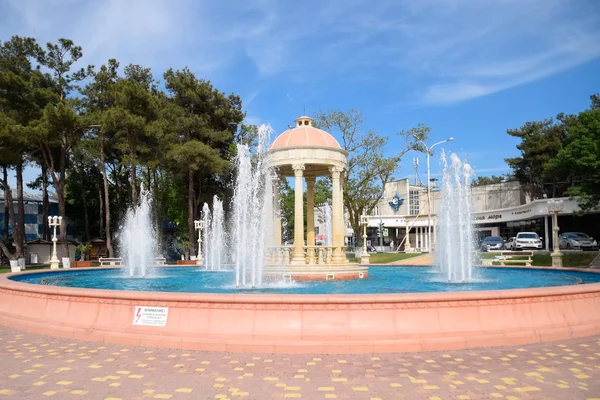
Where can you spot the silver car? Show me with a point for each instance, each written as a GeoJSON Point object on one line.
{"type": "Point", "coordinates": [577, 241]}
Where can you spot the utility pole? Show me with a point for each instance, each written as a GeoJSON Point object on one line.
{"type": "Point", "coordinates": [429, 152]}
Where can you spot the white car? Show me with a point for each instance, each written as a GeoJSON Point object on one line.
{"type": "Point", "coordinates": [510, 244]}
{"type": "Point", "coordinates": [527, 240]}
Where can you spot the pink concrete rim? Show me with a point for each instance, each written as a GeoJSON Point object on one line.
{"type": "Point", "coordinates": [420, 297]}
{"type": "Point", "coordinates": [306, 323]}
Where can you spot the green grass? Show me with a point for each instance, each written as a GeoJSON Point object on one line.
{"type": "Point", "coordinates": [384, 258]}
{"type": "Point", "coordinates": [570, 260]}
{"type": "Point", "coordinates": [6, 270]}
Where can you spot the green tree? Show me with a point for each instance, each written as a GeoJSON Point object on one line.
{"type": "Point", "coordinates": [540, 142]}
{"type": "Point", "coordinates": [60, 128]}
{"type": "Point", "coordinates": [202, 122]}
{"type": "Point", "coordinates": [579, 159]}
{"type": "Point", "coordinates": [135, 107]}
{"type": "Point", "coordinates": [97, 101]}
{"type": "Point", "coordinates": [368, 169]}
{"type": "Point", "coordinates": [489, 180]}
{"type": "Point", "coordinates": [21, 104]}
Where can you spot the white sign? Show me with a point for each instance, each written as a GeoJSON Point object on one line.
{"type": "Point", "coordinates": [150, 316]}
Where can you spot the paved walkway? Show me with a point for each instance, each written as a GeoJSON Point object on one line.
{"type": "Point", "coordinates": [40, 367]}
{"type": "Point", "coordinates": [425, 259]}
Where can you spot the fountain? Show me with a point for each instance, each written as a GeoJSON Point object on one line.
{"type": "Point", "coordinates": [138, 238]}
{"type": "Point", "coordinates": [214, 235]}
{"type": "Point", "coordinates": [455, 238]}
{"type": "Point", "coordinates": [375, 309]}
{"type": "Point", "coordinates": [252, 211]}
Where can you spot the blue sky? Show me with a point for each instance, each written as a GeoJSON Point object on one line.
{"type": "Point", "coordinates": [468, 69]}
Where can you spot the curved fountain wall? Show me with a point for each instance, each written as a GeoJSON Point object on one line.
{"type": "Point", "coordinates": [307, 323]}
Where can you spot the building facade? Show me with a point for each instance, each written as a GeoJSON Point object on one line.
{"type": "Point", "coordinates": [502, 209]}
{"type": "Point", "coordinates": [34, 224]}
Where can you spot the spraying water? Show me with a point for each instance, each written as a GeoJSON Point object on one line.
{"type": "Point", "coordinates": [455, 237]}
{"type": "Point", "coordinates": [138, 238]}
{"type": "Point", "coordinates": [327, 224]}
{"type": "Point", "coordinates": [253, 211]}
{"type": "Point", "coordinates": [206, 220]}
{"type": "Point", "coordinates": [214, 236]}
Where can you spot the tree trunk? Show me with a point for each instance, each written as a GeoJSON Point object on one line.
{"type": "Point", "coordinates": [102, 166]}
{"type": "Point", "coordinates": [11, 213]}
{"type": "Point", "coordinates": [20, 232]}
{"type": "Point", "coordinates": [62, 211]}
{"type": "Point", "coordinates": [6, 203]}
{"type": "Point", "coordinates": [133, 180]}
{"type": "Point", "coordinates": [45, 203]}
{"type": "Point", "coordinates": [159, 229]}
{"type": "Point", "coordinates": [191, 204]}
{"type": "Point", "coordinates": [101, 209]}
{"type": "Point", "coordinates": [86, 218]}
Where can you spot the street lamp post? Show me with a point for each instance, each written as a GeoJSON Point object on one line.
{"type": "Point", "coordinates": [554, 207]}
{"type": "Point", "coordinates": [429, 152]}
{"type": "Point", "coordinates": [199, 226]}
{"type": "Point", "coordinates": [54, 221]}
{"type": "Point", "coordinates": [364, 257]}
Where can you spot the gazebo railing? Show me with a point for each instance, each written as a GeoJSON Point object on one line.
{"type": "Point", "coordinates": [282, 255]}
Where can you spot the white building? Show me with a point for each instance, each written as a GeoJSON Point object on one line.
{"type": "Point", "coordinates": [501, 209]}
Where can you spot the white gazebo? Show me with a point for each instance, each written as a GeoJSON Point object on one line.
{"type": "Point", "coordinates": [305, 153]}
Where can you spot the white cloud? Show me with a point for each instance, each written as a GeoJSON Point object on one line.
{"type": "Point", "coordinates": [448, 51]}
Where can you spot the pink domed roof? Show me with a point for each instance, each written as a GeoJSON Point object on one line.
{"type": "Point", "coordinates": [304, 134]}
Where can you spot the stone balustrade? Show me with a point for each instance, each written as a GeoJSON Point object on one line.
{"type": "Point", "coordinates": [313, 255]}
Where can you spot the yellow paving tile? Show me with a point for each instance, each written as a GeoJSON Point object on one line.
{"type": "Point", "coordinates": [49, 393]}
{"type": "Point", "coordinates": [79, 391]}
{"type": "Point", "coordinates": [527, 389]}
{"type": "Point", "coordinates": [163, 396]}
{"type": "Point", "coordinates": [330, 396]}
{"type": "Point", "coordinates": [292, 395]}
{"type": "Point", "coordinates": [7, 392]}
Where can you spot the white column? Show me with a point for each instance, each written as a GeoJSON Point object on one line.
{"type": "Point", "coordinates": [310, 210]}
{"type": "Point", "coordinates": [416, 237]}
{"type": "Point", "coordinates": [427, 239]}
{"type": "Point", "coordinates": [434, 239]}
{"type": "Point", "coordinates": [546, 234]}
{"type": "Point", "coordinates": [335, 213]}
{"type": "Point", "coordinates": [407, 240]}
{"type": "Point", "coordinates": [298, 257]}
{"type": "Point", "coordinates": [342, 219]}
{"type": "Point", "coordinates": [277, 211]}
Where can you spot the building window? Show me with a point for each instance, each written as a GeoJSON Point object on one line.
{"type": "Point", "coordinates": [414, 202]}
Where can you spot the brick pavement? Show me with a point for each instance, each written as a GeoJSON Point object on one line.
{"type": "Point", "coordinates": [41, 367]}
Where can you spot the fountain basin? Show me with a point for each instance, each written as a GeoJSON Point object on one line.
{"type": "Point", "coordinates": [300, 323]}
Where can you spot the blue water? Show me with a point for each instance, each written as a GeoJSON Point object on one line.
{"type": "Point", "coordinates": [380, 280]}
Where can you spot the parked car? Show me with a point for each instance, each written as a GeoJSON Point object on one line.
{"type": "Point", "coordinates": [528, 240]}
{"type": "Point", "coordinates": [510, 244]}
{"type": "Point", "coordinates": [576, 241]}
{"type": "Point", "coordinates": [492, 243]}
